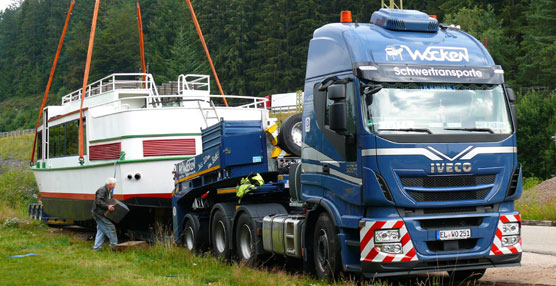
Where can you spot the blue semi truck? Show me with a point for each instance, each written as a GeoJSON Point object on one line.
{"type": "Point", "coordinates": [406, 161]}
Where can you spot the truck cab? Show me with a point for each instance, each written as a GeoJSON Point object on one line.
{"type": "Point", "coordinates": [407, 161]}
{"type": "Point", "coordinates": [409, 146]}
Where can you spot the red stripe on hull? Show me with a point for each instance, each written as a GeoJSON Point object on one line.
{"type": "Point", "coordinates": [92, 196]}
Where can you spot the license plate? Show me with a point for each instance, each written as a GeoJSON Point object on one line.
{"type": "Point", "coordinates": [453, 234]}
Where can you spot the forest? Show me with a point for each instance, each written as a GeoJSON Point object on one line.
{"type": "Point", "coordinates": [259, 47]}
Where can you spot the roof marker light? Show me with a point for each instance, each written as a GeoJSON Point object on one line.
{"type": "Point", "coordinates": [345, 17]}
{"type": "Point", "coordinates": [368, 68]}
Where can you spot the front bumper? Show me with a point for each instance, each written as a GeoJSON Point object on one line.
{"type": "Point", "coordinates": [380, 269]}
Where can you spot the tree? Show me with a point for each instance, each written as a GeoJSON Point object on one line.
{"type": "Point", "coordinates": [483, 24]}
{"type": "Point", "coordinates": [538, 65]}
{"type": "Point", "coordinates": [536, 148]}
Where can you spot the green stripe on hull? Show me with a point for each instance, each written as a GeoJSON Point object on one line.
{"type": "Point", "coordinates": [112, 163]}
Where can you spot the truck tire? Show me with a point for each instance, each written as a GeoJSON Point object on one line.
{"type": "Point", "coordinates": [467, 275]}
{"type": "Point", "coordinates": [326, 249]}
{"type": "Point", "coordinates": [220, 236]}
{"type": "Point", "coordinates": [246, 240]}
{"type": "Point", "coordinates": [295, 182]}
{"type": "Point", "coordinates": [290, 135]}
{"type": "Point", "coordinates": [192, 238]}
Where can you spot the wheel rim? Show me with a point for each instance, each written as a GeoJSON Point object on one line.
{"type": "Point", "coordinates": [245, 241]}
{"type": "Point", "coordinates": [220, 236]}
{"type": "Point", "coordinates": [322, 250]}
{"type": "Point", "coordinates": [189, 238]}
{"type": "Point", "coordinates": [297, 134]}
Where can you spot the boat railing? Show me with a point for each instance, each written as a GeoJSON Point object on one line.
{"type": "Point", "coordinates": [140, 81]}
{"type": "Point", "coordinates": [193, 82]}
{"type": "Point", "coordinates": [173, 101]}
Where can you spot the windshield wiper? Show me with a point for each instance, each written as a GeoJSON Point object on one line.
{"type": "Point", "coordinates": [409, 130]}
{"type": "Point", "coordinates": [473, 129]}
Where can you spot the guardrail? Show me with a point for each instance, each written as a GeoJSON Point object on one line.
{"type": "Point", "coordinates": [16, 133]}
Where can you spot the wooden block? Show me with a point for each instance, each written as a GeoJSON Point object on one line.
{"type": "Point", "coordinates": [124, 246]}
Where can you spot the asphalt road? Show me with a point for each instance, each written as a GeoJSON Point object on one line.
{"type": "Point", "coordinates": [538, 264]}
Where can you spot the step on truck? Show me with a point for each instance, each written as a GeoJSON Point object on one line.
{"type": "Point", "coordinates": [408, 161]}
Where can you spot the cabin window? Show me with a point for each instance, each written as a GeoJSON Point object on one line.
{"type": "Point", "coordinates": [38, 151]}
{"type": "Point", "coordinates": [64, 139]}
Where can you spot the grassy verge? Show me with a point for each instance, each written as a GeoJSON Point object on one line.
{"type": "Point", "coordinates": [65, 258]}
{"type": "Point", "coordinates": [528, 205]}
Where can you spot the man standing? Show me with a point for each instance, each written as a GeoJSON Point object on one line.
{"type": "Point", "coordinates": [104, 226]}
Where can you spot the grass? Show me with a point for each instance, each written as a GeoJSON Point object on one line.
{"type": "Point", "coordinates": [17, 147]}
{"type": "Point", "coordinates": [528, 205]}
{"type": "Point", "coordinates": [65, 258]}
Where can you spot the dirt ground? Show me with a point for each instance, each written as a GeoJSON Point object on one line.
{"type": "Point", "coordinates": [542, 193]}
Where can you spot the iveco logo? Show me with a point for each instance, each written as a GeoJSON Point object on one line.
{"type": "Point", "coordinates": [431, 54]}
{"type": "Point", "coordinates": [437, 168]}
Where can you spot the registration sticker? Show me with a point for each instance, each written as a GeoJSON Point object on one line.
{"type": "Point", "coordinates": [453, 234]}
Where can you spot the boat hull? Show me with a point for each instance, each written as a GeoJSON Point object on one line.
{"type": "Point", "coordinates": [69, 193]}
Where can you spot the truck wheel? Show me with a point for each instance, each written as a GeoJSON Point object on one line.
{"type": "Point", "coordinates": [39, 213]}
{"type": "Point", "coordinates": [326, 249]}
{"type": "Point", "coordinates": [291, 133]}
{"type": "Point", "coordinates": [246, 240]}
{"type": "Point", "coordinates": [30, 210]}
{"type": "Point", "coordinates": [220, 236]}
{"type": "Point", "coordinates": [467, 275]}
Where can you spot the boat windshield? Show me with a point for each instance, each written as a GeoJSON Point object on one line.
{"type": "Point", "coordinates": [438, 109]}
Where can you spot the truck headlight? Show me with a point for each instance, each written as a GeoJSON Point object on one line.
{"type": "Point", "coordinates": [509, 240]}
{"type": "Point", "coordinates": [387, 235]}
{"type": "Point", "coordinates": [510, 228]}
{"type": "Point", "coordinates": [394, 248]}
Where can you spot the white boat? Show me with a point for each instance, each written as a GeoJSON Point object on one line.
{"type": "Point", "coordinates": [133, 133]}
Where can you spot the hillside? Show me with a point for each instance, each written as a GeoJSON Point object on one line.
{"type": "Point", "coordinates": [258, 47]}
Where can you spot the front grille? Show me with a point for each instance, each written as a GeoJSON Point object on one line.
{"type": "Point", "coordinates": [409, 212]}
{"type": "Point", "coordinates": [466, 222]}
{"type": "Point", "coordinates": [447, 181]}
{"type": "Point", "coordinates": [449, 196]}
{"type": "Point", "coordinates": [452, 245]}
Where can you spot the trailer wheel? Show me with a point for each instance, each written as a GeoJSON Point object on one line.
{"type": "Point", "coordinates": [220, 236]}
{"type": "Point", "coordinates": [326, 249]}
{"type": "Point", "coordinates": [39, 212]}
{"type": "Point", "coordinates": [291, 133]}
{"type": "Point", "coordinates": [246, 240]}
{"type": "Point", "coordinates": [30, 211]}
{"type": "Point", "coordinates": [467, 275]}
{"type": "Point", "coordinates": [192, 238]}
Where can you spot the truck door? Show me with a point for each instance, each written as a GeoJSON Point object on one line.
{"type": "Point", "coordinates": [336, 158]}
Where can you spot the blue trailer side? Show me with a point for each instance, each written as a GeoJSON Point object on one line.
{"type": "Point", "coordinates": [408, 162]}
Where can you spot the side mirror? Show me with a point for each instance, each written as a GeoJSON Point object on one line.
{"type": "Point", "coordinates": [336, 92]}
{"type": "Point", "coordinates": [511, 94]}
{"type": "Point", "coordinates": [337, 110]}
{"type": "Point", "coordinates": [338, 120]}
{"type": "Point", "coordinates": [513, 111]}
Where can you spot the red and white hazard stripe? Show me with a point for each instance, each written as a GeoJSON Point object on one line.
{"type": "Point", "coordinates": [370, 253]}
{"type": "Point", "coordinates": [497, 248]}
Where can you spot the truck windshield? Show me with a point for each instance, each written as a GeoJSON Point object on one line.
{"type": "Point", "coordinates": [438, 109]}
